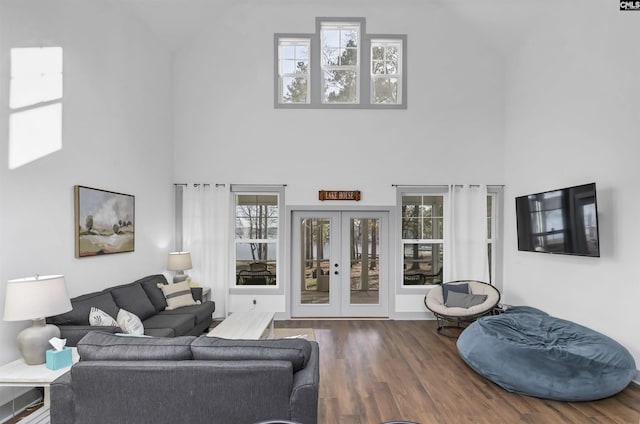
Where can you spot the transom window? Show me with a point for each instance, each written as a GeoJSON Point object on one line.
{"type": "Point", "coordinates": [340, 66]}
{"type": "Point", "coordinates": [386, 71]}
{"type": "Point", "coordinates": [293, 68]}
{"type": "Point", "coordinates": [340, 55]}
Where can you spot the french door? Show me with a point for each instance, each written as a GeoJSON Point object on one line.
{"type": "Point", "coordinates": [339, 265]}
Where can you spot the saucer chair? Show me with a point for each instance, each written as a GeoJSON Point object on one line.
{"type": "Point", "coordinates": [470, 300]}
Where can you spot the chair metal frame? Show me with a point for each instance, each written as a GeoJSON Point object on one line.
{"type": "Point", "coordinates": [460, 322]}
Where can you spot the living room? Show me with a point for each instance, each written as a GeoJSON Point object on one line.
{"type": "Point", "coordinates": [530, 96]}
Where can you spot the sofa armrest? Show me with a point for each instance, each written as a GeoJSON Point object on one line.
{"type": "Point", "coordinates": [196, 292]}
{"type": "Point", "coordinates": [73, 333]}
{"type": "Point", "coordinates": [63, 409]}
{"type": "Point", "coordinates": [304, 393]}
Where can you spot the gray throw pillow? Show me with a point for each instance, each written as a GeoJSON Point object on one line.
{"type": "Point", "coordinates": [464, 300]}
{"type": "Point", "coordinates": [458, 288]}
{"type": "Point", "coordinates": [134, 299]}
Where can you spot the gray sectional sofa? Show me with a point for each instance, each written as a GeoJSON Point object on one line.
{"type": "Point", "coordinates": [188, 380]}
{"type": "Point", "coordinates": [142, 298]}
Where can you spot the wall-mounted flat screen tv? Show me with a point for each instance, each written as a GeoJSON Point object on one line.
{"type": "Point", "coordinates": [563, 221]}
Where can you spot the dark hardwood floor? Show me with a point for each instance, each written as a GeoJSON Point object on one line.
{"type": "Point", "coordinates": [373, 371]}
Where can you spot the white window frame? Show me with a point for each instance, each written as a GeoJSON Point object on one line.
{"type": "Point", "coordinates": [316, 82]}
{"type": "Point", "coordinates": [404, 242]}
{"type": "Point", "coordinates": [238, 190]}
{"type": "Point", "coordinates": [495, 193]}
{"type": "Point", "coordinates": [398, 44]}
{"type": "Point", "coordinates": [324, 67]}
{"type": "Point", "coordinates": [293, 42]}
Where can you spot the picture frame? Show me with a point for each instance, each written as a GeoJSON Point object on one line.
{"type": "Point", "coordinates": [104, 222]}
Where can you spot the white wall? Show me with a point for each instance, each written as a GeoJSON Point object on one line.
{"type": "Point", "coordinates": [117, 136]}
{"type": "Point", "coordinates": [573, 103]}
{"type": "Point", "coordinates": [227, 130]}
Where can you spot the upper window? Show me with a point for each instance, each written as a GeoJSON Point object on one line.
{"type": "Point", "coordinates": [386, 72]}
{"type": "Point", "coordinates": [340, 62]}
{"type": "Point", "coordinates": [293, 70]}
{"type": "Point", "coordinates": [35, 101]}
{"type": "Point", "coordinates": [340, 66]}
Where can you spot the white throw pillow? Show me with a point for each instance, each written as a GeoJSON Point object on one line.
{"type": "Point", "coordinates": [177, 295]}
{"type": "Point", "coordinates": [100, 317]}
{"type": "Point", "coordinates": [130, 323]}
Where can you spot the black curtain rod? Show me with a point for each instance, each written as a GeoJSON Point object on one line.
{"type": "Point", "coordinates": [200, 184]}
{"type": "Point", "coordinates": [443, 185]}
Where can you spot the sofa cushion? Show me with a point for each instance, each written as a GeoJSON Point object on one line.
{"type": "Point", "coordinates": [180, 323]}
{"type": "Point", "coordinates": [82, 305]}
{"type": "Point", "coordinates": [134, 299]}
{"type": "Point", "coordinates": [101, 346]}
{"type": "Point", "coordinates": [296, 351]}
{"type": "Point", "coordinates": [159, 332]}
{"type": "Point", "coordinates": [202, 312]}
{"type": "Point", "coordinates": [150, 286]}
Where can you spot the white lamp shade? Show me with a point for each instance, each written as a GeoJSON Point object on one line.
{"type": "Point", "coordinates": [179, 261]}
{"type": "Point", "coordinates": [36, 297]}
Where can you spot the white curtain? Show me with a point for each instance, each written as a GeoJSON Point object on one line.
{"type": "Point", "coordinates": [205, 218]}
{"type": "Point", "coordinates": [465, 238]}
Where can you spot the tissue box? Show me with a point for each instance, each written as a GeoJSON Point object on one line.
{"type": "Point", "coordinates": [57, 359]}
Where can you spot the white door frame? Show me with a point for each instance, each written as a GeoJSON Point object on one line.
{"type": "Point", "coordinates": [340, 300]}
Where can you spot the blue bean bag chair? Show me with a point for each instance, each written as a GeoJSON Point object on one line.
{"type": "Point", "coordinates": [526, 351]}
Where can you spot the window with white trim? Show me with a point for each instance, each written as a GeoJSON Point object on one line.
{"type": "Point", "coordinates": [293, 70]}
{"type": "Point", "coordinates": [422, 222]}
{"type": "Point", "coordinates": [35, 102]}
{"type": "Point", "coordinates": [257, 237]}
{"type": "Point", "coordinates": [422, 238]}
{"type": "Point", "coordinates": [340, 66]}
{"type": "Point", "coordinates": [340, 62]}
{"type": "Point", "coordinates": [386, 71]}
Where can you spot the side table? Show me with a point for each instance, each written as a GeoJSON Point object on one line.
{"type": "Point", "coordinates": [19, 374]}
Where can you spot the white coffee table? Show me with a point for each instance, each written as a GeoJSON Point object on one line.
{"type": "Point", "coordinates": [19, 374]}
{"type": "Point", "coordinates": [245, 325]}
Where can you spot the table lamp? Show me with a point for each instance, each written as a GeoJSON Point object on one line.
{"type": "Point", "coordinates": [36, 298]}
{"type": "Point", "coordinates": [179, 261]}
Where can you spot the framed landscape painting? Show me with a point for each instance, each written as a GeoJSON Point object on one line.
{"type": "Point", "coordinates": [104, 222]}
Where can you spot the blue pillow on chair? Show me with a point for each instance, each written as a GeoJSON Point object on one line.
{"type": "Point", "coordinates": [458, 288]}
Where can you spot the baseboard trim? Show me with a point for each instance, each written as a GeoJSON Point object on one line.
{"type": "Point", "coordinates": [19, 404]}
{"type": "Point", "coordinates": [637, 379]}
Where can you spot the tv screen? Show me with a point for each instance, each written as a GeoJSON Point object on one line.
{"type": "Point", "coordinates": [563, 221]}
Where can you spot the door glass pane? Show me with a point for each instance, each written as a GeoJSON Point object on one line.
{"type": "Point", "coordinates": [365, 261]}
{"type": "Point", "coordinates": [315, 233]}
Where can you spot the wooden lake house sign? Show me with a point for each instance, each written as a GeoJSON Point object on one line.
{"type": "Point", "coordinates": [339, 195]}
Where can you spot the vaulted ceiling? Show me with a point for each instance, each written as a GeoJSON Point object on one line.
{"type": "Point", "coordinates": [504, 23]}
